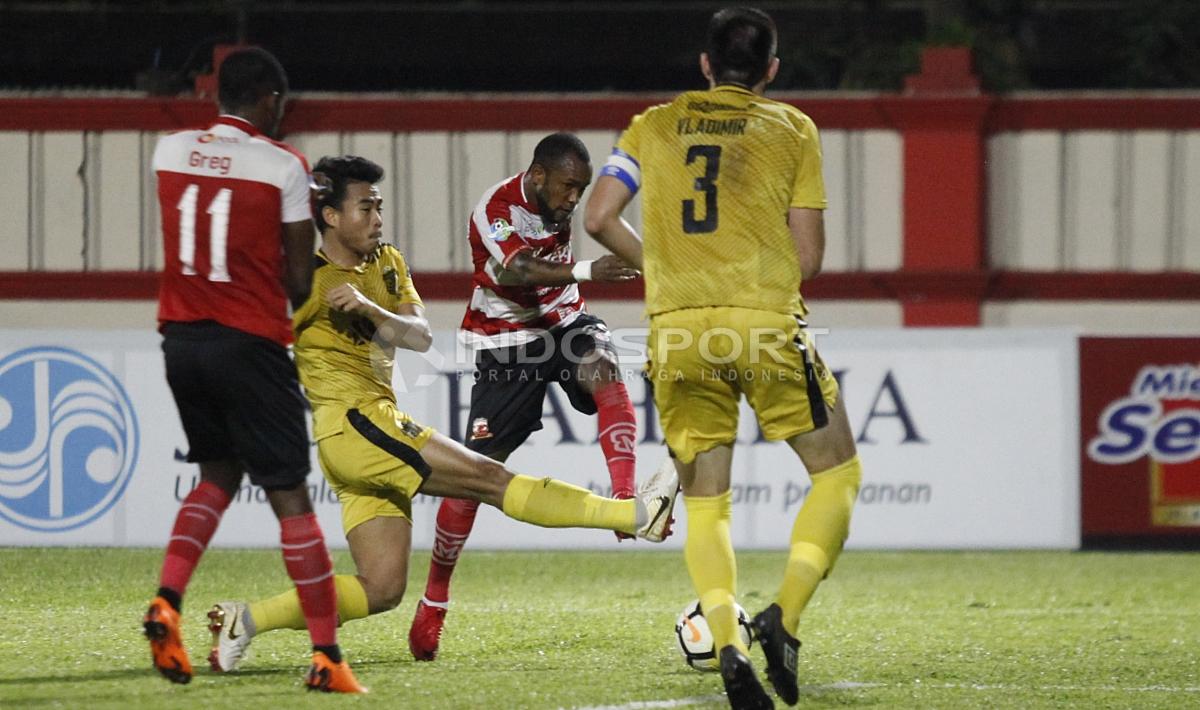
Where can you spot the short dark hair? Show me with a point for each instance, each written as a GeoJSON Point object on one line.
{"type": "Point", "coordinates": [247, 75]}
{"type": "Point", "coordinates": [339, 171]}
{"type": "Point", "coordinates": [741, 44]}
{"type": "Point", "coordinates": [554, 148]}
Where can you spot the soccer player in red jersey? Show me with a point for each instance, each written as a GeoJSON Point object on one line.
{"type": "Point", "coordinates": [238, 240]}
{"type": "Point", "coordinates": [530, 327]}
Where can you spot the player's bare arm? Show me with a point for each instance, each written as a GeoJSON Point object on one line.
{"type": "Point", "coordinates": [298, 240]}
{"type": "Point", "coordinates": [406, 328]}
{"type": "Point", "coordinates": [808, 233]}
{"type": "Point", "coordinates": [528, 270]}
{"type": "Point", "coordinates": [602, 219]}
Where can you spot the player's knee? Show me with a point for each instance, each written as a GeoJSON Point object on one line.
{"type": "Point", "coordinates": [493, 471]}
{"type": "Point", "coordinates": [389, 593]}
{"type": "Point", "coordinates": [598, 371]}
{"type": "Point", "coordinates": [490, 480]}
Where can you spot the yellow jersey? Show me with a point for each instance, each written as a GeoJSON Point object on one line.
{"type": "Point", "coordinates": [718, 171]}
{"type": "Point", "coordinates": [341, 366]}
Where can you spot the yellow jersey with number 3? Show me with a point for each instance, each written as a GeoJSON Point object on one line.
{"type": "Point", "coordinates": [718, 171]}
{"type": "Point", "coordinates": [341, 364]}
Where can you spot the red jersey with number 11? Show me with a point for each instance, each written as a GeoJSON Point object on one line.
{"type": "Point", "coordinates": [224, 194]}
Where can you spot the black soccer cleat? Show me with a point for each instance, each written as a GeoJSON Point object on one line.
{"type": "Point", "coordinates": [741, 682]}
{"type": "Point", "coordinates": [781, 650]}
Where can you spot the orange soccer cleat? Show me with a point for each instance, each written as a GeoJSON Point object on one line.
{"type": "Point", "coordinates": [330, 677]}
{"type": "Point", "coordinates": [426, 631]}
{"type": "Point", "coordinates": [161, 625]}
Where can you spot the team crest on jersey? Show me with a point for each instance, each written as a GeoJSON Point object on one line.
{"type": "Point", "coordinates": [359, 329]}
{"type": "Point", "coordinates": [480, 430]}
{"type": "Point", "coordinates": [501, 230]}
{"type": "Point", "coordinates": [391, 280]}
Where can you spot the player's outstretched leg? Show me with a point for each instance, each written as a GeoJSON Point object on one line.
{"type": "Point", "coordinates": [741, 682]}
{"type": "Point", "coordinates": [457, 472]}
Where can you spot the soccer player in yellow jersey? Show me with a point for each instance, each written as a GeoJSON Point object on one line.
{"type": "Point", "coordinates": [376, 457]}
{"type": "Point", "coordinates": [732, 200]}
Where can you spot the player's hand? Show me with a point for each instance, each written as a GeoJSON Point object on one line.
{"type": "Point", "coordinates": [344, 297]}
{"type": "Point", "coordinates": [610, 268]}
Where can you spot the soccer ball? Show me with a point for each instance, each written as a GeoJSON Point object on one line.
{"type": "Point", "coordinates": [695, 640]}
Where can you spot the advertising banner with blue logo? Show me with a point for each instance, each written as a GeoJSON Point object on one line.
{"type": "Point", "coordinates": [967, 438]}
{"type": "Point", "coordinates": [1140, 441]}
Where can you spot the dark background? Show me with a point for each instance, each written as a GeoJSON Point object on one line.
{"type": "Point", "coordinates": [603, 45]}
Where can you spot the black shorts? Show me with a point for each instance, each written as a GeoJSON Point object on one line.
{"type": "Point", "coordinates": [510, 383]}
{"type": "Point", "coordinates": [239, 398]}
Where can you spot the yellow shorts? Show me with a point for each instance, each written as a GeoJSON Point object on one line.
{"type": "Point", "coordinates": [374, 464]}
{"type": "Point", "coordinates": [702, 360]}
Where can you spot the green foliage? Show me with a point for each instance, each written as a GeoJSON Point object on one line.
{"type": "Point", "coordinates": [548, 630]}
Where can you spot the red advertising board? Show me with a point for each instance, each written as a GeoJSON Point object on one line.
{"type": "Point", "coordinates": [1140, 439]}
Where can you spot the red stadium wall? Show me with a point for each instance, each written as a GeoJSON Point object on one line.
{"type": "Point", "coordinates": [944, 278]}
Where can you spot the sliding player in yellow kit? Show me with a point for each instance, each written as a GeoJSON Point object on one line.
{"type": "Point", "coordinates": [732, 204]}
{"type": "Point", "coordinates": [376, 457]}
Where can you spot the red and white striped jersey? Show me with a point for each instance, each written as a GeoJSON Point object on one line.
{"type": "Point", "coordinates": [224, 194]}
{"type": "Point", "coordinates": [501, 313]}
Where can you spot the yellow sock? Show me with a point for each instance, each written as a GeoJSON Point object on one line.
{"type": "Point", "coordinates": [551, 503]}
{"type": "Point", "coordinates": [817, 537]}
{"type": "Point", "coordinates": [712, 566]}
{"type": "Point", "coordinates": [283, 611]}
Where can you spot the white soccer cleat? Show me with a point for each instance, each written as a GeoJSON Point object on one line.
{"type": "Point", "coordinates": [657, 495]}
{"type": "Point", "coordinates": [229, 636]}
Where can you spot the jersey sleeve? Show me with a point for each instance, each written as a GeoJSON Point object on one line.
{"type": "Point", "coordinates": [294, 202]}
{"type": "Point", "coordinates": [624, 164]}
{"type": "Point", "coordinates": [499, 236]}
{"type": "Point", "coordinates": [406, 292]}
{"type": "Point", "coordinates": [808, 189]}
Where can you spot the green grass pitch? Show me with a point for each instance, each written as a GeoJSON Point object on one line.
{"type": "Point", "coordinates": [587, 629]}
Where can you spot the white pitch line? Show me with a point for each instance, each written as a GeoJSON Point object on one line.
{"type": "Point", "coordinates": [720, 698]}
{"type": "Point", "coordinates": [645, 704]}
{"type": "Point", "coordinates": [1057, 688]}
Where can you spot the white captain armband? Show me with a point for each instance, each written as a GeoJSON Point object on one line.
{"type": "Point", "coordinates": [625, 168]}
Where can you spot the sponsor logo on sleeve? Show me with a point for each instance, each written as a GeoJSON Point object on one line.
{"type": "Point", "coordinates": [501, 230]}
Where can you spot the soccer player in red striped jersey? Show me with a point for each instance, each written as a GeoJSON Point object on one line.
{"type": "Point", "coordinates": [530, 327]}
{"type": "Point", "coordinates": [238, 240]}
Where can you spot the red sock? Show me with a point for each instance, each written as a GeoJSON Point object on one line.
{"type": "Point", "coordinates": [311, 569]}
{"type": "Point", "coordinates": [618, 435]}
{"type": "Point", "coordinates": [454, 520]}
{"type": "Point", "coordinates": [195, 524]}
